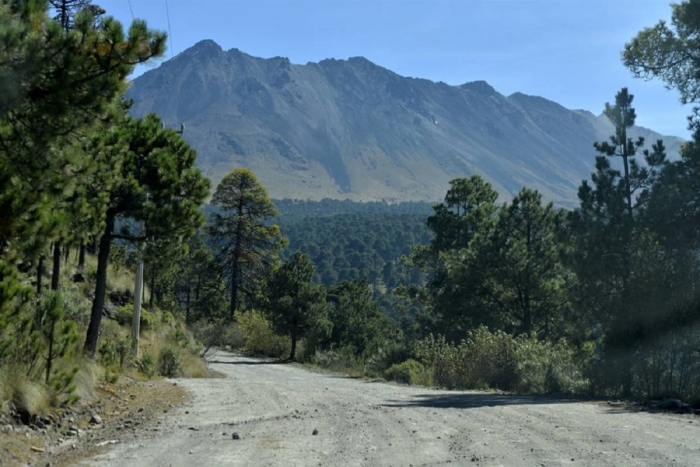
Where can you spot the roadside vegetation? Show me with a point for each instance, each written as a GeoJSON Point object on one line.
{"type": "Point", "coordinates": [84, 188]}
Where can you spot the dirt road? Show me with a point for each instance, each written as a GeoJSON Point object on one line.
{"type": "Point", "coordinates": [275, 409]}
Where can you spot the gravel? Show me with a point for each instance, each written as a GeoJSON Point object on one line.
{"type": "Point", "coordinates": [274, 407]}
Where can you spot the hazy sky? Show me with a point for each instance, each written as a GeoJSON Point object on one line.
{"type": "Point", "coordinates": [565, 50]}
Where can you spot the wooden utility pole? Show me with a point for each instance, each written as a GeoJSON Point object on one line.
{"type": "Point", "coordinates": [138, 295]}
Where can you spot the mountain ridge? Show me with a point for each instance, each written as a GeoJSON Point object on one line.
{"type": "Point", "coordinates": [349, 128]}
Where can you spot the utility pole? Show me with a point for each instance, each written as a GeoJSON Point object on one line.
{"type": "Point", "coordinates": [138, 286]}
{"type": "Point", "coordinates": [138, 294]}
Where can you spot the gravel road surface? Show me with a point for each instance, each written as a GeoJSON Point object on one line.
{"type": "Point", "coordinates": [275, 409]}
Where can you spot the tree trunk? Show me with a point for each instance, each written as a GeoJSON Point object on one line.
{"type": "Point", "coordinates": [55, 275]}
{"type": "Point", "coordinates": [293, 353]}
{"type": "Point", "coordinates": [92, 248]}
{"type": "Point", "coordinates": [628, 376]}
{"type": "Point", "coordinates": [81, 256]}
{"type": "Point", "coordinates": [49, 360]}
{"type": "Point", "coordinates": [187, 302]}
{"type": "Point", "coordinates": [527, 324]}
{"type": "Point", "coordinates": [98, 302]}
{"type": "Point", "coordinates": [39, 274]}
{"type": "Point", "coordinates": [234, 294]}
{"type": "Point", "coordinates": [236, 258]}
{"type": "Point", "coordinates": [197, 288]}
{"type": "Point", "coordinates": [628, 188]}
{"type": "Point", "coordinates": [153, 288]}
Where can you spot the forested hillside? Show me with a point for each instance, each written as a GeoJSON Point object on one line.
{"type": "Point", "coordinates": [348, 240]}
{"type": "Point", "coordinates": [299, 209]}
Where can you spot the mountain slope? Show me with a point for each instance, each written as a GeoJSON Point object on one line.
{"type": "Point", "coordinates": [352, 129]}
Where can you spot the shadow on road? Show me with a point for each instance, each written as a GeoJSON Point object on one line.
{"type": "Point", "coordinates": [253, 362]}
{"type": "Point", "coordinates": [472, 401]}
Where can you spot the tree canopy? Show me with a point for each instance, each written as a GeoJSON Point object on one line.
{"type": "Point", "coordinates": [240, 231]}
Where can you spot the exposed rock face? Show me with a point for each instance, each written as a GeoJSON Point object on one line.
{"type": "Point", "coordinates": [352, 129]}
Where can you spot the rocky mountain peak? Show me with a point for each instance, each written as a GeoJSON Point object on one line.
{"type": "Point", "coordinates": [353, 129]}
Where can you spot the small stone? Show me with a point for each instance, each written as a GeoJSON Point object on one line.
{"type": "Point", "coordinates": [235, 435]}
{"type": "Point", "coordinates": [95, 419]}
{"type": "Point", "coordinates": [192, 428]}
{"type": "Point", "coordinates": [191, 452]}
{"type": "Point", "coordinates": [315, 432]}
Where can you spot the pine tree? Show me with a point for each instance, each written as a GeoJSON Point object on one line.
{"type": "Point", "coordinates": [158, 184]}
{"type": "Point", "coordinates": [199, 286]}
{"type": "Point", "coordinates": [296, 306]}
{"type": "Point", "coordinates": [241, 233]}
{"type": "Point", "coordinates": [39, 109]}
{"type": "Point", "coordinates": [67, 9]}
{"type": "Point", "coordinates": [526, 276]}
{"type": "Point", "coordinates": [358, 322]}
{"type": "Point", "coordinates": [464, 219]}
{"type": "Point", "coordinates": [607, 234]}
{"type": "Point", "coordinates": [669, 51]}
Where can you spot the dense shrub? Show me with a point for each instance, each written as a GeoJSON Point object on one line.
{"type": "Point", "coordinates": [147, 364]}
{"type": "Point", "coordinates": [115, 352]}
{"type": "Point", "coordinates": [258, 335]}
{"type": "Point", "coordinates": [125, 316]}
{"type": "Point", "coordinates": [76, 306]}
{"type": "Point", "coordinates": [168, 318]}
{"type": "Point", "coordinates": [669, 366]}
{"type": "Point", "coordinates": [341, 360]}
{"type": "Point", "coordinates": [483, 360]}
{"type": "Point", "coordinates": [545, 367]}
{"type": "Point", "coordinates": [409, 372]}
{"type": "Point", "coordinates": [500, 361]}
{"type": "Point", "coordinates": [169, 364]}
{"type": "Point", "coordinates": [391, 353]}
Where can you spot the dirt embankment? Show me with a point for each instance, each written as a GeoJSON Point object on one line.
{"type": "Point", "coordinates": [265, 414]}
{"type": "Point", "coordinates": [120, 413]}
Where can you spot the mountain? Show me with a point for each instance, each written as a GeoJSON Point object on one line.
{"type": "Point", "coordinates": [352, 129]}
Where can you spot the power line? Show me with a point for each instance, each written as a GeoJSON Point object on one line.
{"type": "Point", "coordinates": [131, 10]}
{"type": "Point", "coordinates": [170, 32]}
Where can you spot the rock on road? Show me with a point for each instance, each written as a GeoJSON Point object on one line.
{"type": "Point", "coordinates": [275, 409]}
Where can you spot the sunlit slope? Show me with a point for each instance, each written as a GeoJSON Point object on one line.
{"type": "Point", "coordinates": [352, 129]}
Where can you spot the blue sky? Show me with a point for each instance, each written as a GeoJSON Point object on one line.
{"type": "Point", "coordinates": [564, 50]}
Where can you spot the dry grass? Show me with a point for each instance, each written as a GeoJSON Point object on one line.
{"type": "Point", "coordinates": [16, 448]}
{"type": "Point", "coordinates": [26, 395]}
{"type": "Point", "coordinates": [193, 366]}
{"type": "Point", "coordinates": [86, 379]}
{"type": "Point", "coordinates": [117, 279]}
